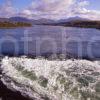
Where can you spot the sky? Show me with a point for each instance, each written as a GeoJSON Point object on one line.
{"type": "Point", "coordinates": [50, 9]}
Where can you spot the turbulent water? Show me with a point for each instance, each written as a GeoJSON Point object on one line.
{"type": "Point", "coordinates": [41, 79]}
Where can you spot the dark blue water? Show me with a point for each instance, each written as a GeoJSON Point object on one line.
{"type": "Point", "coordinates": [41, 40]}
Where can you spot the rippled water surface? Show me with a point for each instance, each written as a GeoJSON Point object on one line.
{"type": "Point", "coordinates": [39, 40]}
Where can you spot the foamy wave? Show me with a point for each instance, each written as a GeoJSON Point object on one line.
{"type": "Point", "coordinates": [42, 79]}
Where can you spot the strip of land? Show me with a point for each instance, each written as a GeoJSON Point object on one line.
{"type": "Point", "coordinates": [78, 23]}
{"type": "Point", "coordinates": [75, 23]}
{"type": "Point", "coordinates": [14, 24]}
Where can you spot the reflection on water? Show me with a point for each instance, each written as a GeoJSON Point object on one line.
{"type": "Point", "coordinates": [40, 40]}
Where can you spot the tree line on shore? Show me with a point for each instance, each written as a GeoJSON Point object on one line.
{"type": "Point", "coordinates": [84, 24]}
{"type": "Point", "coordinates": [78, 23]}
{"type": "Point", "coordinates": [8, 24]}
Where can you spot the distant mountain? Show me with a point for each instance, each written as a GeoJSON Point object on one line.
{"type": "Point", "coordinates": [33, 21]}
{"type": "Point", "coordinates": [40, 21]}
{"type": "Point", "coordinates": [19, 19]}
{"type": "Point", "coordinates": [4, 19]}
{"type": "Point", "coordinates": [74, 22]}
{"type": "Point", "coordinates": [48, 21]}
{"type": "Point", "coordinates": [73, 19]}
{"type": "Point", "coordinates": [14, 22]}
{"type": "Point", "coordinates": [70, 22]}
{"type": "Point", "coordinates": [43, 21]}
{"type": "Point", "coordinates": [15, 19]}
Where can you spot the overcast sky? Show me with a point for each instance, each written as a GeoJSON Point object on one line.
{"type": "Point", "coordinates": [51, 9]}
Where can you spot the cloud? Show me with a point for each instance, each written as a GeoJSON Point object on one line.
{"type": "Point", "coordinates": [59, 9]}
{"type": "Point", "coordinates": [53, 9]}
{"type": "Point", "coordinates": [7, 10]}
{"type": "Point", "coordinates": [83, 3]}
{"type": "Point", "coordinates": [90, 14]}
{"type": "Point", "coordinates": [81, 11]}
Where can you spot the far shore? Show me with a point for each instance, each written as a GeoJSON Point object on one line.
{"type": "Point", "coordinates": [9, 25]}
{"type": "Point", "coordinates": [77, 23]}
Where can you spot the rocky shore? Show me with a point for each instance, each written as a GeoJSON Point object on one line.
{"type": "Point", "coordinates": [7, 94]}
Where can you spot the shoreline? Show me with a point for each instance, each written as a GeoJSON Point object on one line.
{"type": "Point", "coordinates": [7, 94]}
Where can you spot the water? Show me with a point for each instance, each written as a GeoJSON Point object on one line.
{"type": "Point", "coordinates": [40, 40]}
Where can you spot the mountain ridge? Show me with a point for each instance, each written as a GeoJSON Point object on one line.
{"type": "Point", "coordinates": [42, 20]}
{"type": "Point", "coordinates": [69, 22]}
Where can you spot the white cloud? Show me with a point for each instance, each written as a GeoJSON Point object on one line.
{"type": "Point", "coordinates": [7, 10]}
{"type": "Point", "coordinates": [81, 11]}
{"type": "Point", "coordinates": [51, 9]}
{"type": "Point", "coordinates": [90, 14]}
{"type": "Point", "coordinates": [83, 3]}
{"type": "Point", "coordinates": [58, 9]}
